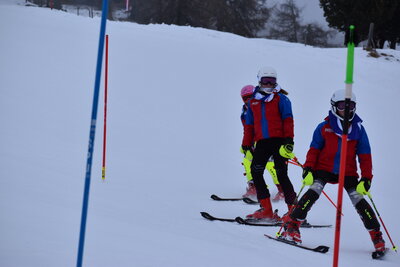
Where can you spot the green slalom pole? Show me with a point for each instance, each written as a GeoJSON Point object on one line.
{"type": "Point", "coordinates": [343, 149]}
{"type": "Point", "coordinates": [350, 59]}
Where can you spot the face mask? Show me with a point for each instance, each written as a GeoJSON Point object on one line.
{"type": "Point", "coordinates": [266, 90]}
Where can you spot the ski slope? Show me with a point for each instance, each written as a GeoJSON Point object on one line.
{"type": "Point", "coordinates": [173, 139]}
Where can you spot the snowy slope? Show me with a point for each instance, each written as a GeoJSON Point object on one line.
{"type": "Point", "coordinates": [173, 139]}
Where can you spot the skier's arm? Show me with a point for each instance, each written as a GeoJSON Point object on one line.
{"type": "Point", "coordinates": [285, 108]}
{"type": "Point", "coordinates": [248, 129]}
{"type": "Point", "coordinates": [317, 144]}
{"type": "Point", "coordinates": [364, 155]}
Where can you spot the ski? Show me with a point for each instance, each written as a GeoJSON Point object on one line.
{"type": "Point", "coordinates": [378, 254]}
{"type": "Point", "coordinates": [249, 201]}
{"type": "Point", "coordinates": [237, 219]}
{"type": "Point", "coordinates": [245, 199]}
{"type": "Point", "coordinates": [252, 222]}
{"type": "Point", "coordinates": [212, 218]}
{"type": "Point", "coordinates": [320, 249]}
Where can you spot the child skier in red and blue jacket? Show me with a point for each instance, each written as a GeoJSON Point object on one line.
{"type": "Point", "coordinates": [269, 123]}
{"type": "Point", "coordinates": [322, 166]}
{"type": "Point", "coordinates": [247, 93]}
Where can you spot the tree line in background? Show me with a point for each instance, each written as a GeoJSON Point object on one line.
{"type": "Point", "coordinates": [249, 18]}
{"type": "Point", "coordinates": [254, 18]}
{"type": "Point", "coordinates": [385, 14]}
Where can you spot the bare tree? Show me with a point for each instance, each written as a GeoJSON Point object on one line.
{"type": "Point", "coordinates": [286, 22]}
{"type": "Point", "coordinates": [313, 34]}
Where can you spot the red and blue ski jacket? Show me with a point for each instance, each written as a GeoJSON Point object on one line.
{"type": "Point", "coordinates": [324, 152]}
{"type": "Point", "coordinates": [267, 117]}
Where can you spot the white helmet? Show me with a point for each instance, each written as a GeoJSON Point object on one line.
{"type": "Point", "coordinates": [337, 103]}
{"type": "Point", "coordinates": [266, 72]}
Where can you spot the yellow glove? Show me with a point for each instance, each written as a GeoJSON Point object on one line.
{"type": "Point", "coordinates": [363, 186]}
{"type": "Point", "coordinates": [308, 178]}
{"type": "Point", "coordinates": [286, 151]}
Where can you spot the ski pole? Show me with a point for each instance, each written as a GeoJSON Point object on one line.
{"type": "Point", "coordinates": [294, 162]}
{"type": "Point", "coordinates": [323, 192]}
{"type": "Point", "coordinates": [379, 216]}
{"type": "Point", "coordinates": [291, 209]}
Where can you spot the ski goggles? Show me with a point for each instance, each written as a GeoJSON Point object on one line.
{"type": "Point", "coordinates": [268, 80]}
{"type": "Point", "coordinates": [342, 104]}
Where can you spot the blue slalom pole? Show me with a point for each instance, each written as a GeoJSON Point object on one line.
{"type": "Point", "coordinates": [92, 133]}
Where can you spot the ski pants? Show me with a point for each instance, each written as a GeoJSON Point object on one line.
{"type": "Point", "coordinates": [363, 208]}
{"type": "Point", "coordinates": [266, 148]}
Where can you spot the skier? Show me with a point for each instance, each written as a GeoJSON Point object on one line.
{"type": "Point", "coordinates": [269, 123]}
{"type": "Point", "coordinates": [322, 166]}
{"type": "Point", "coordinates": [246, 93]}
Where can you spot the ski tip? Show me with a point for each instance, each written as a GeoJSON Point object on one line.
{"type": "Point", "coordinates": [207, 216]}
{"type": "Point", "coordinates": [215, 197]}
{"type": "Point", "coordinates": [322, 249]}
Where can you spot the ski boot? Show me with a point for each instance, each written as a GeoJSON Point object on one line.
{"type": "Point", "coordinates": [291, 230]}
{"type": "Point", "coordinates": [279, 195]}
{"type": "Point", "coordinates": [376, 237]}
{"type": "Point", "coordinates": [265, 212]}
{"type": "Point", "coordinates": [250, 191]}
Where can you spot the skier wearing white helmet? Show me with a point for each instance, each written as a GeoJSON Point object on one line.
{"type": "Point", "coordinates": [322, 167]}
{"type": "Point", "coordinates": [337, 104]}
{"type": "Point", "coordinates": [246, 93]}
{"type": "Point", "coordinates": [269, 124]}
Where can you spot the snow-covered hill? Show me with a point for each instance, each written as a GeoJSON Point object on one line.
{"type": "Point", "coordinates": [173, 139]}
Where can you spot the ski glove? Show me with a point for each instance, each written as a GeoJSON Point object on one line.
{"type": "Point", "coordinates": [363, 186]}
{"type": "Point", "coordinates": [286, 150]}
{"type": "Point", "coordinates": [308, 178]}
{"type": "Point", "coordinates": [244, 149]}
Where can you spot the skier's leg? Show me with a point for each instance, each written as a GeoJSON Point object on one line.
{"type": "Point", "coordinates": [283, 178]}
{"type": "Point", "coordinates": [365, 212]}
{"type": "Point", "coordinates": [271, 169]}
{"type": "Point", "coordinates": [260, 158]}
{"type": "Point", "coordinates": [261, 155]}
{"type": "Point", "coordinates": [308, 199]}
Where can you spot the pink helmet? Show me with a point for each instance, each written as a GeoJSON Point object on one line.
{"type": "Point", "coordinates": [246, 92]}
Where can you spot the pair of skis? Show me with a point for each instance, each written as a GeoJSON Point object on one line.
{"type": "Point", "coordinates": [252, 222]}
